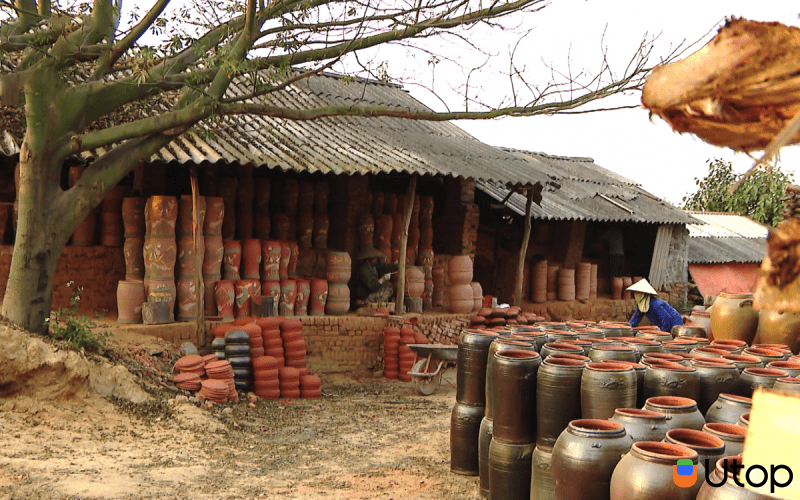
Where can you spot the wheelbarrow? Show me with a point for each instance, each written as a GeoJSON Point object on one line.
{"type": "Point", "coordinates": [423, 375]}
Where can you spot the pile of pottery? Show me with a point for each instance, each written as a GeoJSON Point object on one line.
{"type": "Point", "coordinates": [601, 410]}
{"type": "Point", "coordinates": [391, 352]}
{"type": "Point", "coordinates": [572, 284]}
{"type": "Point", "coordinates": [464, 296]}
{"type": "Point", "coordinates": [207, 375]}
{"type": "Point", "coordinates": [398, 358]}
{"type": "Point", "coordinates": [278, 338]}
{"type": "Point", "coordinates": [502, 316]}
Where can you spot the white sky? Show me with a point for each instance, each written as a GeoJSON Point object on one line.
{"type": "Point", "coordinates": [626, 141]}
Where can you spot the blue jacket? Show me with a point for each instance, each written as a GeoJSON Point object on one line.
{"type": "Point", "coordinates": [661, 314]}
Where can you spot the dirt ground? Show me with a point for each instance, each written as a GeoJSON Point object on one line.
{"type": "Point", "coordinates": [365, 439]}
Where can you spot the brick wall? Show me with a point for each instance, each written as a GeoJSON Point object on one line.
{"type": "Point", "coordinates": [593, 310]}
{"type": "Point", "coordinates": [97, 269]}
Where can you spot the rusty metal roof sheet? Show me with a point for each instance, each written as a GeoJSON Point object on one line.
{"type": "Point", "coordinates": [577, 188]}
{"type": "Point", "coordinates": [726, 237]}
{"type": "Point", "coordinates": [336, 145]}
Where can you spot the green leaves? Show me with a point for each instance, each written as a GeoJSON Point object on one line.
{"type": "Point", "coordinates": [758, 197]}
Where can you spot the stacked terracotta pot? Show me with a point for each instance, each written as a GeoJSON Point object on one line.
{"type": "Point", "coordinates": [112, 231]}
{"type": "Point", "coordinates": [318, 296]}
{"type": "Point", "coordinates": [271, 335]}
{"type": "Point", "coordinates": [270, 272]}
{"type": "Point", "coordinates": [161, 251]}
{"type": "Point", "coordinates": [439, 286]}
{"type": "Point", "coordinates": [566, 284]}
{"type": "Point", "coordinates": [266, 383]}
{"type": "Point", "coordinates": [215, 390]}
{"type": "Point", "coordinates": [222, 371]}
{"type": "Point", "coordinates": [461, 295]}
{"type": "Point", "coordinates": [256, 339]}
{"type": "Point", "coordinates": [552, 281]}
{"type": "Point", "coordinates": [583, 278]}
{"type": "Point", "coordinates": [84, 234]}
{"type": "Point", "coordinates": [214, 251]}
{"type": "Point", "coordinates": [414, 289]}
{"type": "Point", "coordinates": [539, 282]}
{"type": "Point", "coordinates": [310, 387]}
{"type": "Point", "coordinates": [383, 233]}
{"type": "Point", "coordinates": [289, 382]}
{"type": "Point", "coordinates": [406, 356]}
{"type": "Point", "coordinates": [339, 266]}
{"type": "Point", "coordinates": [391, 353]}
{"type": "Point", "coordinates": [133, 221]}
{"type": "Point", "coordinates": [294, 345]}
{"type": "Point", "coordinates": [187, 293]}
{"type": "Point", "coordinates": [191, 363]}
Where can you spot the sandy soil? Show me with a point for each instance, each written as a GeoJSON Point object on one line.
{"type": "Point", "coordinates": [365, 439]}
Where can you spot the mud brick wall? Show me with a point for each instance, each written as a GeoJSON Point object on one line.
{"type": "Point", "coordinates": [593, 310]}
{"type": "Point", "coordinates": [97, 269]}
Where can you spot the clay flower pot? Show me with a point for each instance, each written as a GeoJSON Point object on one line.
{"type": "Point", "coordinates": [271, 260]}
{"type": "Point", "coordinates": [251, 259]}
{"type": "Point", "coordinates": [225, 296]}
{"type": "Point", "coordinates": [231, 260]}
{"type": "Point", "coordinates": [133, 216]}
{"type": "Point", "coordinates": [133, 251]}
{"type": "Point", "coordinates": [318, 297]}
{"type": "Point", "coordinates": [215, 214]}
{"type": "Point", "coordinates": [130, 295]}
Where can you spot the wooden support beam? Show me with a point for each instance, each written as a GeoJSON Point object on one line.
{"type": "Point", "coordinates": [577, 235]}
{"type": "Point", "coordinates": [526, 235]}
{"type": "Point", "coordinates": [197, 232]}
{"type": "Point", "coordinates": [399, 307]}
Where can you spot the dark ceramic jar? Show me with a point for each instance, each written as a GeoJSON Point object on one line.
{"type": "Point", "coordinates": [465, 422]}
{"type": "Point", "coordinates": [788, 384]}
{"type": "Point", "coordinates": [542, 487]}
{"type": "Point", "coordinates": [473, 355]}
{"type": "Point", "coordinates": [671, 379]}
{"type": "Point", "coordinates": [709, 448]}
{"type": "Point", "coordinates": [562, 347]}
{"type": "Point", "coordinates": [731, 434]}
{"type": "Point", "coordinates": [510, 469]}
{"type": "Point", "coordinates": [605, 387]}
{"type": "Point", "coordinates": [725, 487]}
{"type": "Point", "coordinates": [715, 379]}
{"type": "Point", "coordinates": [613, 353]}
{"type": "Point", "coordinates": [514, 373]}
{"type": "Point", "coordinates": [584, 458]}
{"type": "Point", "coordinates": [647, 470]}
{"type": "Point", "coordinates": [792, 368]}
{"type": "Point", "coordinates": [642, 425]}
{"type": "Point", "coordinates": [682, 413]}
{"type": "Point", "coordinates": [753, 378]}
{"type": "Point", "coordinates": [558, 385]}
{"type": "Point", "coordinates": [742, 361]}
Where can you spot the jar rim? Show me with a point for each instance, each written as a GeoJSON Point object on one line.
{"type": "Point", "coordinates": [656, 451]}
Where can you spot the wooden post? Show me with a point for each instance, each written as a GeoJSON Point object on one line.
{"type": "Point", "coordinates": [401, 270]}
{"type": "Point", "coordinates": [526, 235]}
{"type": "Point", "coordinates": [198, 263]}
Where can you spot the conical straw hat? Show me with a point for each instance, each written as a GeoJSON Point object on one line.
{"type": "Point", "coordinates": [642, 286]}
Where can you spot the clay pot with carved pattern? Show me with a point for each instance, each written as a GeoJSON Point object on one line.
{"type": "Point", "coordinates": [318, 296]}
{"type": "Point", "coordinates": [231, 259]}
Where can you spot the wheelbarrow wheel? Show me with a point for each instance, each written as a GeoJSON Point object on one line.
{"type": "Point", "coordinates": [426, 384]}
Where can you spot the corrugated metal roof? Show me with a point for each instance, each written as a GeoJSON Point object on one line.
{"type": "Point", "coordinates": [726, 237]}
{"type": "Point", "coordinates": [337, 145]}
{"type": "Point", "coordinates": [577, 188]}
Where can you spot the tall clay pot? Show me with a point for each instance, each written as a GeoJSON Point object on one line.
{"type": "Point", "coordinates": [709, 447]}
{"type": "Point", "coordinates": [682, 413]}
{"type": "Point", "coordinates": [305, 231]}
{"type": "Point", "coordinates": [514, 386]}
{"type": "Point", "coordinates": [231, 260]}
{"type": "Point", "coordinates": [294, 255]}
{"type": "Point", "coordinates": [322, 225]}
{"type": "Point", "coordinates": [186, 214]}
{"type": "Point", "coordinates": [647, 472]}
{"type": "Point", "coordinates": [671, 379]}
{"type": "Point", "coordinates": [733, 317]}
{"type": "Point", "coordinates": [321, 197]}
{"type": "Point", "coordinates": [605, 387]}
{"type": "Point", "coordinates": [133, 216]}
{"type": "Point", "coordinates": [214, 251]}
{"type": "Point", "coordinates": [251, 259]}
{"type": "Point", "coordinates": [160, 255]}
{"type": "Point", "coordinates": [642, 425]}
{"type": "Point", "coordinates": [366, 230]}
{"type": "Point", "coordinates": [715, 379]}
{"type": "Point", "coordinates": [291, 196]}
{"type": "Point", "coordinates": [542, 475]}
{"type": "Point", "coordinates": [465, 422]}
{"type": "Point", "coordinates": [461, 298]}
{"type": "Point", "coordinates": [272, 288]}
{"type": "Point", "coordinates": [339, 267]}
{"type": "Point", "coordinates": [227, 190]}
{"type": "Point", "coordinates": [302, 297]}
{"type": "Point", "coordinates": [225, 294]}
{"type": "Point", "coordinates": [271, 260]}
{"type": "Point", "coordinates": [338, 302]}
{"type": "Point", "coordinates": [288, 296]}
{"type": "Point", "coordinates": [286, 256]}
{"type": "Point", "coordinates": [187, 299]}
{"type": "Point", "coordinates": [584, 458]}
{"type": "Point", "coordinates": [558, 385]}
{"type": "Point", "coordinates": [472, 359]}
{"type": "Point", "coordinates": [130, 295]}
{"type": "Point", "coordinates": [779, 327]}
{"type": "Point", "coordinates": [133, 251]}
{"type": "Point", "coordinates": [215, 215]}
{"type": "Point", "coordinates": [318, 296]}
{"type": "Point", "coordinates": [510, 467]}
{"type": "Point", "coordinates": [305, 203]}
{"type": "Point", "coordinates": [460, 270]}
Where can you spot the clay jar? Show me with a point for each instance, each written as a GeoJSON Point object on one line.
{"type": "Point", "coordinates": [461, 298]}
{"type": "Point", "coordinates": [715, 379]}
{"type": "Point", "coordinates": [321, 196]}
{"type": "Point", "coordinates": [286, 256]}
{"type": "Point", "coordinates": [160, 255]}
{"type": "Point", "coordinates": [291, 196]}
{"type": "Point", "coordinates": [305, 231]}
{"type": "Point", "coordinates": [642, 425]}
{"type": "Point", "coordinates": [225, 295]}
{"type": "Point", "coordinates": [272, 288]}
{"type": "Point", "coordinates": [305, 204]}
{"type": "Point", "coordinates": [415, 281]}
{"type": "Point", "coordinates": [288, 296]}
{"type": "Point", "coordinates": [215, 214]}
{"type": "Point", "coordinates": [366, 230]}
{"type": "Point", "coordinates": [318, 297]}
{"type": "Point", "coordinates": [187, 299]}
{"type": "Point", "coordinates": [133, 216]}
{"type": "Point", "coordinates": [709, 448]}
{"type": "Point", "coordinates": [558, 385]}
{"type": "Point", "coordinates": [130, 295]}
{"type": "Point", "coordinates": [754, 378]}
{"type": "Point", "coordinates": [161, 215]}
{"type": "Point", "coordinates": [584, 458]}
{"type": "Point", "coordinates": [271, 260]}
{"type": "Point", "coordinates": [664, 378]}
{"type": "Point", "coordinates": [731, 434]}
{"type": "Point", "coordinates": [779, 327]}
{"type": "Point", "coordinates": [728, 408]}
{"type": "Point", "coordinates": [231, 260]}
{"type": "Point", "coordinates": [338, 267]}
{"type": "Point", "coordinates": [514, 386]}
{"type": "Point", "coordinates": [460, 270]}
{"type": "Point", "coordinates": [213, 255]}
{"type": "Point", "coordinates": [301, 299]}
{"type": "Point", "coordinates": [338, 302]}
{"type": "Point", "coordinates": [321, 227]}
{"type": "Point", "coordinates": [465, 421]}
{"type": "Point", "coordinates": [133, 251]}
{"type": "Point", "coordinates": [473, 352]}
{"type": "Point", "coordinates": [251, 259]}
{"type": "Point", "coordinates": [647, 472]}
{"type": "Point", "coordinates": [605, 387]}
{"type": "Point", "coordinates": [281, 224]}
{"type": "Point", "coordinates": [682, 413]}
{"type": "Point", "coordinates": [294, 255]}
{"type": "Point", "coordinates": [185, 222]}
{"type": "Point", "coordinates": [733, 317]}
{"type": "Point", "coordinates": [509, 470]}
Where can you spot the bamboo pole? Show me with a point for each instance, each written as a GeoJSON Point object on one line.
{"type": "Point", "coordinates": [198, 263]}
{"type": "Point", "coordinates": [401, 269]}
{"type": "Point", "coordinates": [523, 250]}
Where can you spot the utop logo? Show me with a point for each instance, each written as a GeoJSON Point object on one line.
{"type": "Point", "coordinates": [684, 474]}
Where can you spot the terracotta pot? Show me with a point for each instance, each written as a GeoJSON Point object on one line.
{"type": "Point", "coordinates": [271, 260]}
{"type": "Point", "coordinates": [682, 413]}
{"type": "Point", "coordinates": [231, 259]}
{"type": "Point", "coordinates": [318, 296]}
{"type": "Point", "coordinates": [215, 215]}
{"type": "Point", "coordinates": [225, 294]}
{"type": "Point", "coordinates": [754, 378]}
{"type": "Point", "coordinates": [321, 197]}
{"type": "Point", "coordinates": [130, 295]}
{"type": "Point", "coordinates": [261, 195]}
{"type": "Point", "coordinates": [251, 259]}
{"type": "Point", "coordinates": [262, 223]}
{"type": "Point", "coordinates": [209, 295]}
{"type": "Point", "coordinates": [566, 284]}
{"type": "Point", "coordinates": [286, 256]}
{"type": "Point", "coordinates": [616, 288]}
{"type": "Point", "coordinates": [301, 300]}
{"type": "Point", "coordinates": [294, 254]}
{"type": "Point", "coordinates": [514, 386]}
{"type": "Point", "coordinates": [272, 288]}
{"type": "Point", "coordinates": [509, 470]}
{"type": "Point", "coordinates": [84, 234]}
{"type": "Point", "coordinates": [605, 387]}
{"type": "Point", "coordinates": [792, 368]}
{"type": "Point", "coordinates": [243, 299]}
{"type": "Point", "coordinates": [185, 214]}
{"type": "Point", "coordinates": [647, 472]}
{"type": "Point", "coordinates": [338, 302]}
{"type": "Point", "coordinates": [733, 317]}
{"type": "Point", "coordinates": [186, 256]}
{"type": "Point", "coordinates": [305, 231]}
{"type": "Point", "coordinates": [321, 228]}
{"type": "Point", "coordinates": [305, 204]}
{"type": "Point", "coordinates": [338, 266]}
{"type": "Point", "coordinates": [460, 270]}
{"type": "Point", "coordinates": [133, 216]}
{"type": "Point", "coordinates": [214, 251]}
{"type": "Point", "coordinates": [585, 456]}
{"type": "Point", "coordinates": [461, 299]}
{"type": "Point", "coordinates": [558, 385]}
{"type": "Point", "coordinates": [161, 215]}
{"type": "Point", "coordinates": [642, 425]}
{"type": "Point", "coordinates": [671, 379]}
{"type": "Point", "coordinates": [162, 291]}
{"type": "Point", "coordinates": [187, 297]}
{"type": "Point", "coordinates": [390, 203]}
{"type": "Point", "coordinates": [111, 229]}
{"type": "Point", "coordinates": [281, 226]}
{"type": "Point", "coordinates": [366, 230]}
{"type": "Point", "coordinates": [415, 282]}
{"type": "Point", "coordinates": [133, 251]}
{"type": "Point", "coordinates": [160, 256]}
{"type": "Point", "coordinates": [732, 435]}
{"type": "Point", "coordinates": [477, 296]}
{"type": "Point", "coordinates": [709, 448]}
{"type": "Point", "coordinates": [465, 422]}
{"type": "Point", "coordinates": [383, 231]}
{"type": "Point", "coordinates": [288, 296]}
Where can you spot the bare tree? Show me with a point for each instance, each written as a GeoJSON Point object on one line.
{"type": "Point", "coordinates": [77, 82]}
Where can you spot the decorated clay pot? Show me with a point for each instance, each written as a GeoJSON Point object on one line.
{"type": "Point", "coordinates": [160, 255]}
{"type": "Point", "coordinates": [383, 231]}
{"type": "Point", "coordinates": [231, 260]}
{"type": "Point", "coordinates": [294, 254]}
{"type": "Point", "coordinates": [288, 296]}
{"type": "Point", "coordinates": [338, 267]}
{"type": "Point", "coordinates": [321, 227]}
{"type": "Point", "coordinates": [186, 256]}
{"type": "Point", "coordinates": [281, 226]}
{"type": "Point", "coordinates": [246, 290]}
{"type": "Point", "coordinates": [271, 259]}
{"type": "Point", "coordinates": [251, 259]}
{"type": "Point", "coordinates": [733, 317]}
{"type": "Point", "coordinates": [227, 190]}
{"type": "Point", "coordinates": [215, 214]}
{"type": "Point", "coordinates": [338, 302]}
{"type": "Point", "coordinates": [133, 216]}
{"type": "Point", "coordinates": [261, 226]}
{"type": "Point", "coordinates": [162, 291]}
{"type": "Point", "coordinates": [261, 196]}
{"type": "Point", "coordinates": [302, 298]}
{"type": "Point", "coordinates": [272, 288]}
{"type": "Point", "coordinates": [186, 214]}
{"type": "Point", "coordinates": [286, 256]}
{"type": "Point", "coordinates": [133, 250]}
{"type": "Point", "coordinates": [130, 295]}
{"type": "Point", "coordinates": [318, 296]}
{"type": "Point", "coordinates": [225, 295]}
{"type": "Point", "coordinates": [187, 299]}
{"type": "Point", "coordinates": [209, 295]}
{"type": "Point", "coordinates": [161, 216]}
{"type": "Point", "coordinates": [213, 255]}
{"type": "Point", "coordinates": [366, 230]}
{"type": "Point", "coordinates": [291, 196]}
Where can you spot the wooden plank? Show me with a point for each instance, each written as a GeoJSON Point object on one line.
{"type": "Point", "coordinates": [197, 233]}
{"type": "Point", "coordinates": [523, 250]}
{"type": "Point", "coordinates": [658, 264]}
{"type": "Point", "coordinates": [399, 306]}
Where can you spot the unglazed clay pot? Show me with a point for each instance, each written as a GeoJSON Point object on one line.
{"type": "Point", "coordinates": [186, 257]}
{"type": "Point", "coordinates": [133, 216]}
{"type": "Point", "coordinates": [286, 256]}
{"type": "Point", "coordinates": [318, 296]}
{"type": "Point", "coordinates": [251, 259]}
{"type": "Point", "coordinates": [305, 203]}
{"type": "Point", "coordinates": [288, 296]}
{"type": "Point", "coordinates": [321, 227]}
{"type": "Point", "coordinates": [187, 299]}
{"type": "Point", "coordinates": [338, 267]}
{"type": "Point", "coordinates": [294, 255]}
{"type": "Point", "coordinates": [161, 216]}
{"type": "Point", "coordinates": [225, 295]}
{"type": "Point", "coordinates": [271, 260]}
{"type": "Point", "coordinates": [272, 288]}
{"type": "Point", "coordinates": [215, 214]}
{"type": "Point", "coordinates": [733, 317]}
{"type": "Point", "coordinates": [281, 226]}
{"type": "Point", "coordinates": [231, 260]}
{"type": "Point", "coordinates": [291, 196]}
{"type": "Point", "coordinates": [130, 295]}
{"type": "Point", "coordinates": [160, 255]}
{"type": "Point", "coordinates": [305, 231]}
{"type": "Point", "coordinates": [301, 300]}
{"type": "Point", "coordinates": [186, 214]}
{"type": "Point", "coordinates": [133, 250]}
{"type": "Point", "coordinates": [338, 302]}
{"type": "Point", "coordinates": [213, 255]}
{"type": "Point", "coordinates": [366, 230]}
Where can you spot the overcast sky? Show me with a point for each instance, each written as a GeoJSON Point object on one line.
{"type": "Point", "coordinates": [626, 141]}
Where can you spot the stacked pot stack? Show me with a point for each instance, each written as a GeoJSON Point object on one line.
{"type": "Point", "coordinates": [270, 272]}
{"type": "Point", "coordinates": [415, 288]}
{"type": "Point", "coordinates": [133, 221]}
{"type": "Point", "coordinates": [237, 352]}
{"type": "Point", "coordinates": [256, 339]}
{"type": "Point", "coordinates": [271, 335]}
{"type": "Point", "coordinates": [310, 387]}
{"type": "Point", "coordinates": [289, 382]}
{"type": "Point", "coordinates": [161, 251]}
{"type": "Point", "coordinates": [469, 410]}
{"type": "Point", "coordinates": [223, 371]}
{"type": "Point", "coordinates": [552, 281]}
{"type": "Point", "coordinates": [391, 352]}
{"type": "Point", "coordinates": [338, 272]}
{"type": "Point", "coordinates": [214, 250]}
{"type": "Point", "coordinates": [593, 282]}
{"type": "Point", "coordinates": [294, 345]}
{"type": "Point", "coordinates": [112, 231]}
{"type": "Point", "coordinates": [461, 295]}
{"type": "Point", "coordinates": [539, 282]}
{"type": "Point", "coordinates": [266, 383]}
{"type": "Point", "coordinates": [514, 432]}
{"type": "Point", "coordinates": [188, 294]}
{"type": "Point", "coordinates": [405, 354]}
{"type": "Point", "coordinates": [566, 284]}
{"type": "Point", "coordinates": [583, 278]}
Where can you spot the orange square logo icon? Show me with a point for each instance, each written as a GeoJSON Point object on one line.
{"type": "Point", "coordinates": [684, 473]}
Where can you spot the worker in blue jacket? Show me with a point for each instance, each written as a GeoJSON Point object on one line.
{"type": "Point", "coordinates": [659, 312]}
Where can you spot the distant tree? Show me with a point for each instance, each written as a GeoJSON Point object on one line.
{"type": "Point", "coordinates": [758, 197]}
